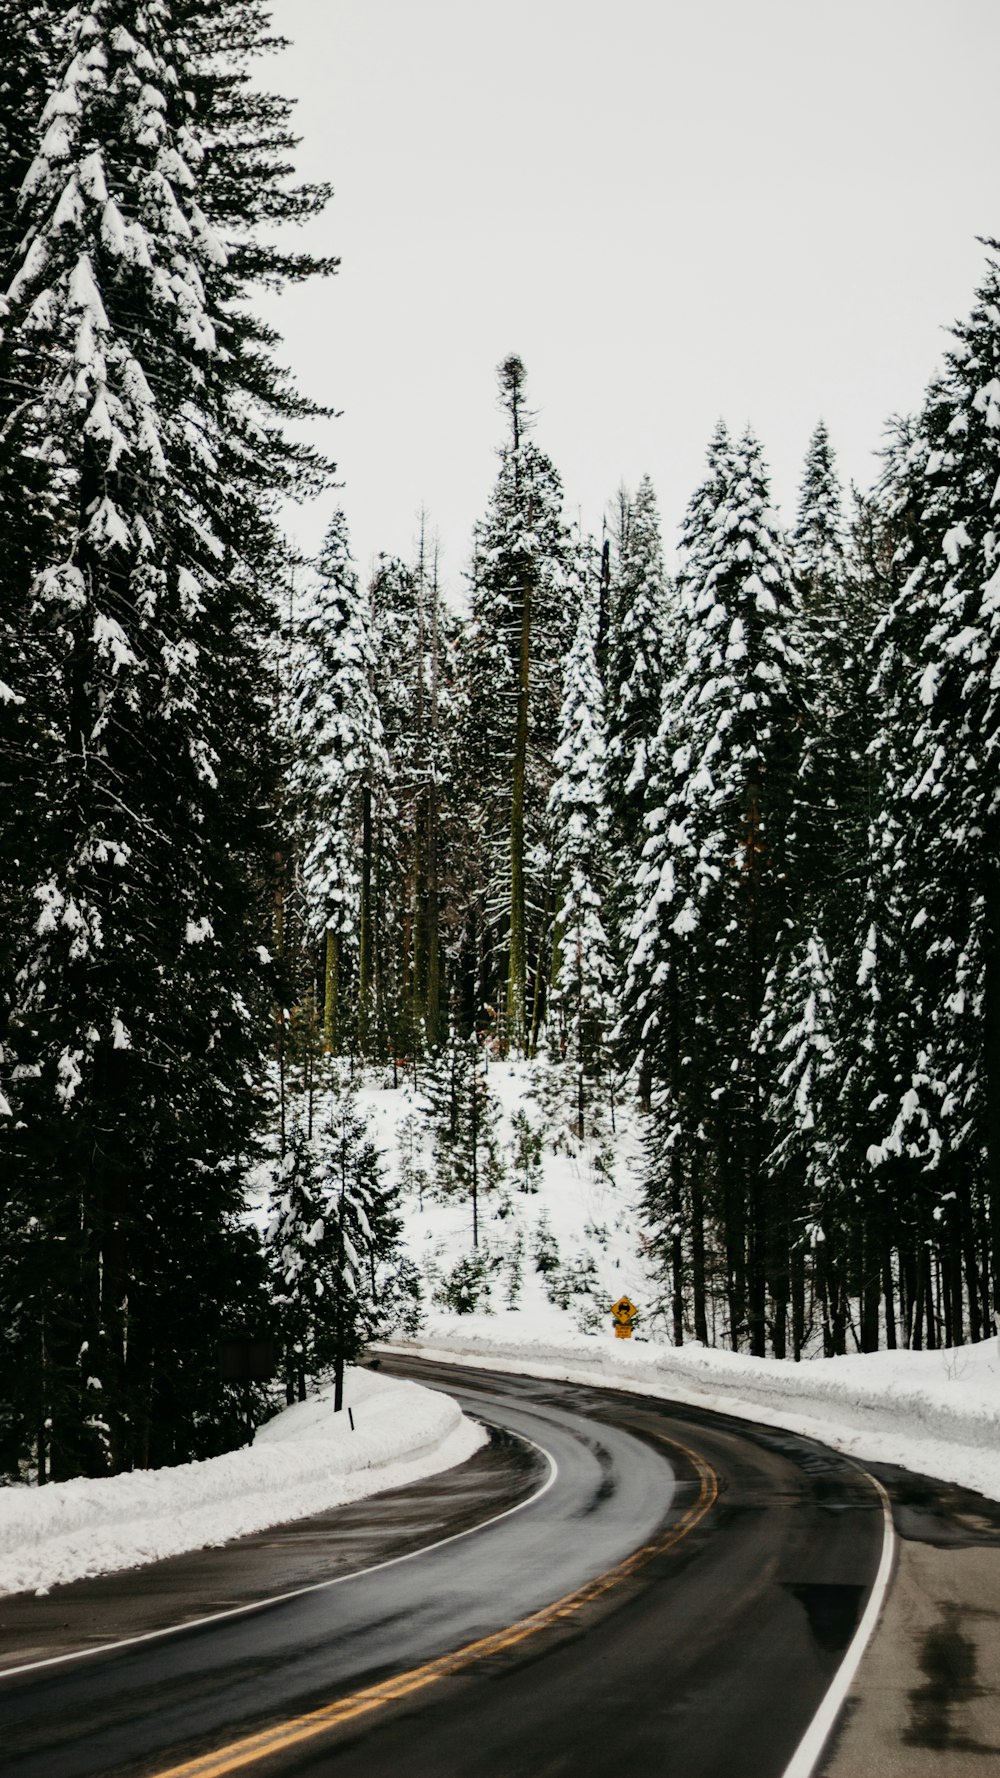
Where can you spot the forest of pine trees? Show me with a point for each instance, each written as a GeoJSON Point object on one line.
{"type": "Point", "coordinates": [724, 843]}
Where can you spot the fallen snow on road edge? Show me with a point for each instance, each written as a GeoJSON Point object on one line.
{"type": "Point", "coordinates": [306, 1460]}
{"type": "Point", "coordinates": [936, 1413]}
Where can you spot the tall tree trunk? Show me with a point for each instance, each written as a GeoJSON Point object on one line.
{"type": "Point", "coordinates": [909, 1287]}
{"type": "Point", "coordinates": [888, 1294]}
{"type": "Point", "coordinates": [758, 1209]}
{"type": "Point", "coordinates": [677, 1252]}
{"type": "Point", "coordinates": [331, 985]}
{"type": "Point", "coordinates": [366, 958]}
{"type": "Point", "coordinates": [474, 1120]}
{"type": "Point", "coordinates": [927, 1294]}
{"type": "Point", "coordinates": [967, 1242]}
{"type": "Point", "coordinates": [517, 962]}
{"type": "Point", "coordinates": [778, 1270]}
{"type": "Point", "coordinates": [432, 941]}
{"type": "Point", "coordinates": [797, 1283]}
{"type": "Point", "coordinates": [871, 1249]}
{"type": "Point", "coordinates": [991, 1058]}
{"type": "Point", "coordinates": [734, 1240]}
{"type": "Point", "coordinates": [432, 1008]}
{"type": "Point", "coordinates": [339, 1329]}
{"type": "Point", "coordinates": [698, 1292]}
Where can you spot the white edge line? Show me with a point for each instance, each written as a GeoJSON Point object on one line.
{"type": "Point", "coordinates": [319, 1586]}
{"type": "Point", "coordinates": [810, 1748]}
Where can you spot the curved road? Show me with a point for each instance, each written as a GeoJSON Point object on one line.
{"type": "Point", "coordinates": [664, 1591]}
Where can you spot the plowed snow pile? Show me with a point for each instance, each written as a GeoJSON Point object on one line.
{"type": "Point", "coordinates": [304, 1461]}
{"type": "Point", "coordinates": [934, 1412]}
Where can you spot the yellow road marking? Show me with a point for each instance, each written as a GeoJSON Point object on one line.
{"type": "Point", "coordinates": [284, 1735]}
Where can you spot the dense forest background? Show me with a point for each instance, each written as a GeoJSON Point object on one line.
{"type": "Point", "coordinates": [724, 842]}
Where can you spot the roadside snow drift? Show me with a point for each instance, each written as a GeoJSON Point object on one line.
{"type": "Point", "coordinates": [934, 1412]}
{"type": "Point", "coordinates": [304, 1461]}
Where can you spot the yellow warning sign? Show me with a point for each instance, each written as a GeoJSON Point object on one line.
{"type": "Point", "coordinates": [624, 1313]}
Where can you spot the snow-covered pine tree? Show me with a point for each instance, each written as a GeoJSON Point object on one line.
{"type": "Point", "coordinates": [894, 1229]}
{"type": "Point", "coordinates": [339, 766]}
{"type": "Point", "coordinates": [812, 1207]}
{"type": "Point", "coordinates": [659, 1028]}
{"type": "Point", "coordinates": [152, 404]}
{"type": "Point", "coordinates": [649, 948]}
{"type": "Point", "coordinates": [30, 33]}
{"type": "Point", "coordinates": [581, 1012]}
{"type": "Point", "coordinates": [716, 869]}
{"type": "Point", "coordinates": [939, 836]}
{"type": "Point", "coordinates": [818, 540]}
{"type": "Point", "coordinates": [33, 34]}
{"type": "Point", "coordinates": [423, 788]}
{"type": "Point", "coordinates": [464, 1115]}
{"type": "Point", "coordinates": [522, 619]}
{"type": "Point", "coordinates": [819, 553]}
{"type": "Point", "coordinates": [415, 673]}
{"type": "Point", "coordinates": [834, 629]}
{"type": "Point", "coordinates": [636, 671]}
{"type": "Point", "coordinates": [333, 1246]}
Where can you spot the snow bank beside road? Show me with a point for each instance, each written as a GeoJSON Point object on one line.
{"type": "Point", "coordinates": [304, 1461]}
{"type": "Point", "coordinates": [934, 1412]}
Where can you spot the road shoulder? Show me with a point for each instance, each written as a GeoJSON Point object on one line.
{"type": "Point", "coordinates": [303, 1552]}
{"type": "Point", "coordinates": [926, 1701]}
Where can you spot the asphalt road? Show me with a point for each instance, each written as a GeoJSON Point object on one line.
{"type": "Point", "coordinates": [671, 1594]}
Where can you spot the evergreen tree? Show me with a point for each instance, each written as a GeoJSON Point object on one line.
{"type": "Point", "coordinates": [650, 950]}
{"type": "Point", "coordinates": [716, 870]}
{"type": "Point", "coordinates": [340, 764]}
{"type": "Point", "coordinates": [521, 628]}
{"type": "Point", "coordinates": [581, 1014]}
{"type": "Point", "coordinates": [333, 1245]}
{"type": "Point", "coordinates": [834, 627]}
{"type": "Point", "coordinates": [151, 423]}
{"type": "Point", "coordinates": [802, 1051]}
{"type": "Point", "coordinates": [464, 1116]}
{"type": "Point", "coordinates": [636, 670]}
{"type": "Point", "coordinates": [938, 838]}
{"type": "Point", "coordinates": [660, 1027]}
{"type": "Point", "coordinates": [819, 541]}
{"type": "Point", "coordinates": [415, 675]}
{"type": "Point", "coordinates": [31, 35]}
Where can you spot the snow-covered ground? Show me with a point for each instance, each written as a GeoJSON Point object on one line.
{"type": "Point", "coordinates": [560, 1240]}
{"type": "Point", "coordinates": [559, 1237]}
{"type": "Point", "coordinates": [935, 1412]}
{"type": "Point", "coordinates": [304, 1461]}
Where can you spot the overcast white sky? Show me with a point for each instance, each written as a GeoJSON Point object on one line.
{"type": "Point", "coordinates": [671, 209]}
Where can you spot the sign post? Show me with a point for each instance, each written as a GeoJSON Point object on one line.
{"type": "Point", "coordinates": [624, 1314]}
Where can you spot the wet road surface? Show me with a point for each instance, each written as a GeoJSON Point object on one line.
{"type": "Point", "coordinates": [737, 1563]}
{"type": "Point", "coordinates": [926, 1702]}
{"type": "Point", "coordinates": [181, 1589]}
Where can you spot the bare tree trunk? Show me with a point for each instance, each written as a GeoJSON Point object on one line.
{"type": "Point", "coordinates": [331, 984]}
{"type": "Point", "coordinates": [474, 1108]}
{"type": "Point", "coordinates": [797, 1273]}
{"type": "Point", "coordinates": [991, 1055]}
{"type": "Point", "coordinates": [517, 964]}
{"type": "Point", "coordinates": [888, 1296]}
{"type": "Point", "coordinates": [698, 1252]}
{"type": "Point", "coordinates": [433, 1000]}
{"type": "Point", "coordinates": [365, 935]}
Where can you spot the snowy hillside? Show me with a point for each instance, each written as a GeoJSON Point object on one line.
{"type": "Point", "coordinates": [553, 1258]}
{"type": "Point", "coordinates": [559, 1237]}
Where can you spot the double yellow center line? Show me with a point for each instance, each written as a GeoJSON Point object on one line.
{"type": "Point", "coordinates": [284, 1735]}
